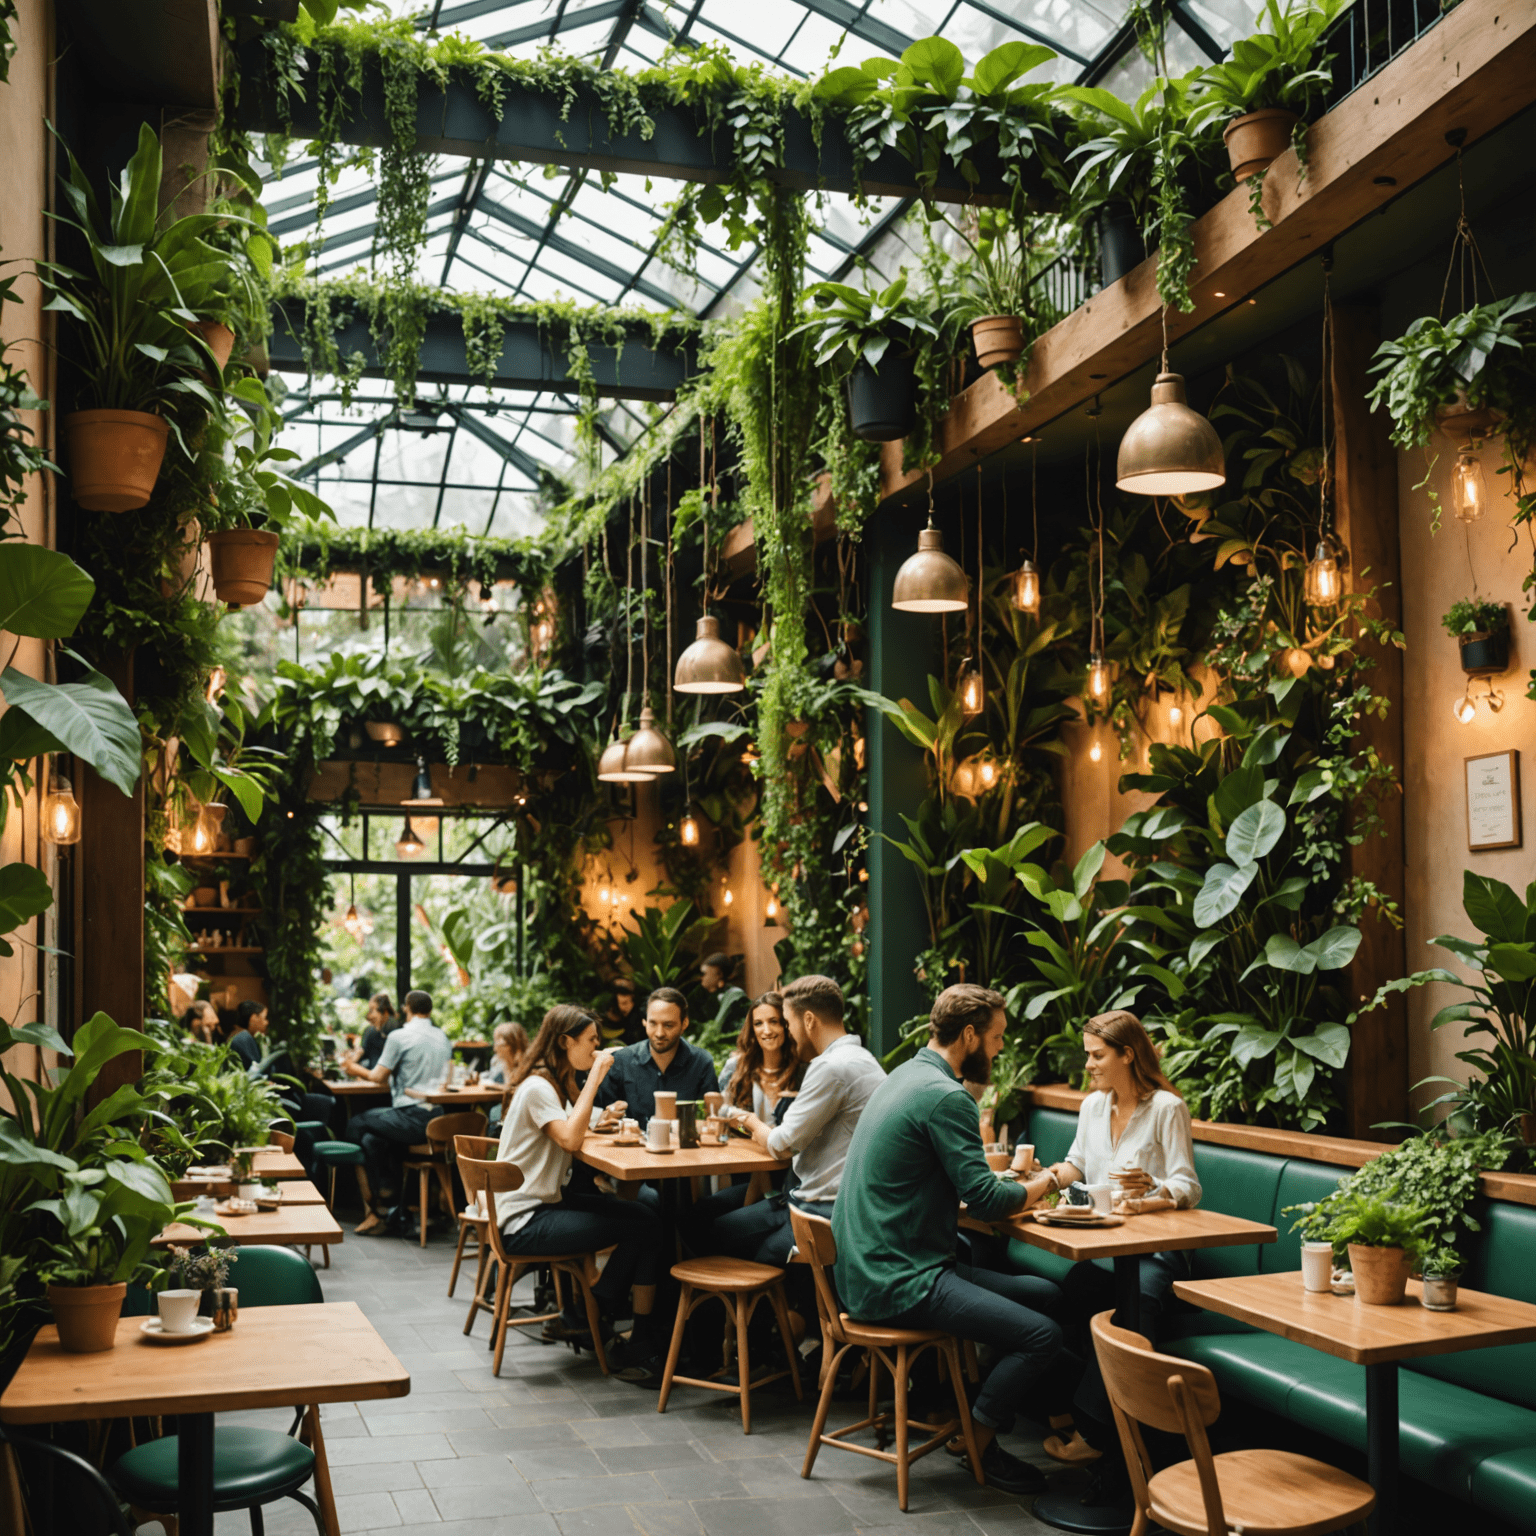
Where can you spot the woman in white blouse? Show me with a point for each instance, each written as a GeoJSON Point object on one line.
{"type": "Point", "coordinates": [545, 1124]}
{"type": "Point", "coordinates": [1133, 1133]}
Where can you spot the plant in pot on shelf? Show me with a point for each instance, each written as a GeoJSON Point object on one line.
{"type": "Point", "coordinates": [1481, 629]}
{"type": "Point", "coordinates": [1383, 1238]}
{"type": "Point", "coordinates": [128, 328]}
{"type": "Point", "coordinates": [1266, 90]}
{"type": "Point", "coordinates": [873, 336]}
{"type": "Point", "coordinates": [988, 292]}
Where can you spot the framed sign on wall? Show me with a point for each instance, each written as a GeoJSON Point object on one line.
{"type": "Point", "coordinates": [1493, 801]}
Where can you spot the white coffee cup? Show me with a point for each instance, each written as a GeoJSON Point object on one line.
{"type": "Point", "coordinates": [1317, 1267]}
{"type": "Point", "coordinates": [1024, 1157]}
{"type": "Point", "coordinates": [1103, 1196]}
{"type": "Point", "coordinates": [247, 1191]}
{"type": "Point", "coordinates": [178, 1310]}
{"type": "Point", "coordinates": [630, 1130]}
{"type": "Point", "coordinates": [658, 1134]}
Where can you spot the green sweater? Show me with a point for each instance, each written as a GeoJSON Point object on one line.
{"type": "Point", "coordinates": [916, 1154]}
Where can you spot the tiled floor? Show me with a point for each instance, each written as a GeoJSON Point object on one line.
{"type": "Point", "coordinates": [553, 1448]}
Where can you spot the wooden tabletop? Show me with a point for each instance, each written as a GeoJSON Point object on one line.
{"type": "Point", "coordinates": [738, 1155]}
{"type": "Point", "coordinates": [461, 1098]}
{"type": "Point", "coordinates": [295, 1191]}
{"type": "Point", "coordinates": [274, 1357]}
{"type": "Point", "coordinates": [471, 1045]}
{"type": "Point", "coordinates": [287, 1226]}
{"type": "Point", "coordinates": [357, 1087]}
{"type": "Point", "coordinates": [272, 1163]}
{"type": "Point", "coordinates": [1348, 1328]}
{"type": "Point", "coordinates": [301, 1192]}
{"type": "Point", "coordinates": [1153, 1232]}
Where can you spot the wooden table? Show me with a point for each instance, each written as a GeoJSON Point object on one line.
{"type": "Point", "coordinates": [295, 1191]}
{"type": "Point", "coordinates": [289, 1226]}
{"type": "Point", "coordinates": [1375, 1337]}
{"type": "Point", "coordinates": [274, 1357]}
{"type": "Point", "coordinates": [271, 1163]}
{"type": "Point", "coordinates": [460, 1098]}
{"type": "Point", "coordinates": [358, 1088]}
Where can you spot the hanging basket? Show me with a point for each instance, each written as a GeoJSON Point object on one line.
{"type": "Point", "coordinates": [998, 339]}
{"type": "Point", "coordinates": [1256, 139]}
{"type": "Point", "coordinates": [1484, 653]}
{"type": "Point", "coordinates": [1121, 248]}
{"type": "Point", "coordinates": [1460, 420]}
{"type": "Point", "coordinates": [114, 458]}
{"type": "Point", "coordinates": [882, 402]}
{"type": "Point", "coordinates": [243, 560]}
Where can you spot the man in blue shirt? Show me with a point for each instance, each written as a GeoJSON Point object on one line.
{"type": "Point", "coordinates": [416, 1056]}
{"type": "Point", "coordinates": [663, 1060]}
{"type": "Point", "coordinates": [251, 1021]}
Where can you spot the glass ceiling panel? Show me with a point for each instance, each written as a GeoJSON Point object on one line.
{"type": "Point", "coordinates": [564, 236]}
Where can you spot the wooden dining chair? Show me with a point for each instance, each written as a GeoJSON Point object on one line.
{"type": "Point", "coordinates": [433, 1159]}
{"type": "Point", "coordinates": [897, 1349]}
{"type": "Point", "coordinates": [491, 1177]}
{"type": "Point", "coordinates": [1279, 1492]}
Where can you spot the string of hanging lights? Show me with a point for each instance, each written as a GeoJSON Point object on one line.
{"type": "Point", "coordinates": [1323, 583]}
{"type": "Point", "coordinates": [1099, 681]}
{"type": "Point", "coordinates": [1024, 591]}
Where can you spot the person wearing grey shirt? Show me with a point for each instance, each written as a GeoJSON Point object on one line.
{"type": "Point", "coordinates": [416, 1056]}
{"type": "Point", "coordinates": [839, 1081]}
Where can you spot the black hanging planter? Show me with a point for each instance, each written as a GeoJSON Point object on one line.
{"type": "Point", "coordinates": [1121, 247]}
{"type": "Point", "coordinates": [1485, 653]}
{"type": "Point", "coordinates": [882, 402]}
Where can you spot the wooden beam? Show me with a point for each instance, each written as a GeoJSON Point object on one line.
{"type": "Point", "coordinates": [1474, 70]}
{"type": "Point", "coordinates": [738, 550]}
{"type": "Point", "coordinates": [1366, 516]}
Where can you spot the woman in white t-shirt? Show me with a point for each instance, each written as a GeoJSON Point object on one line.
{"type": "Point", "coordinates": [544, 1125]}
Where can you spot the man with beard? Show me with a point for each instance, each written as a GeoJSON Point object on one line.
{"type": "Point", "coordinates": [916, 1154]}
{"type": "Point", "coordinates": [816, 1129]}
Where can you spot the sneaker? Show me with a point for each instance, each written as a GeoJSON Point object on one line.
{"type": "Point", "coordinates": [1072, 1450]}
{"type": "Point", "coordinates": [1005, 1472]}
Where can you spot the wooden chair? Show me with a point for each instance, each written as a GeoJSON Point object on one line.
{"type": "Point", "coordinates": [897, 1349]}
{"type": "Point", "coordinates": [481, 1252]}
{"type": "Point", "coordinates": [740, 1285]}
{"type": "Point", "coordinates": [1278, 1492]}
{"type": "Point", "coordinates": [432, 1158]}
{"type": "Point", "coordinates": [491, 1177]}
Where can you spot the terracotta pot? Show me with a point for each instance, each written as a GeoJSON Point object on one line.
{"type": "Point", "coordinates": [114, 458]}
{"type": "Point", "coordinates": [1257, 138]}
{"type": "Point", "coordinates": [998, 339]}
{"type": "Point", "coordinates": [205, 896]}
{"type": "Point", "coordinates": [87, 1316]}
{"type": "Point", "coordinates": [220, 339]}
{"type": "Point", "coordinates": [384, 731]}
{"type": "Point", "coordinates": [1381, 1274]}
{"type": "Point", "coordinates": [242, 559]}
{"type": "Point", "coordinates": [1458, 419]}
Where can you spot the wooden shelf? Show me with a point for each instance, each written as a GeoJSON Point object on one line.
{"type": "Point", "coordinates": [222, 911]}
{"type": "Point", "coordinates": [225, 949]}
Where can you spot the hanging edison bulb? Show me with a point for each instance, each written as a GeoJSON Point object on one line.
{"type": "Point", "coordinates": [1469, 487]}
{"type": "Point", "coordinates": [771, 912]}
{"type": "Point", "coordinates": [1024, 590]}
{"type": "Point", "coordinates": [1324, 584]}
{"type": "Point", "coordinates": [408, 845]}
{"type": "Point", "coordinates": [986, 773]}
{"type": "Point", "coordinates": [1176, 715]}
{"type": "Point", "coordinates": [1465, 708]}
{"type": "Point", "coordinates": [61, 813]}
{"type": "Point", "coordinates": [205, 835]}
{"type": "Point", "coordinates": [688, 831]}
{"type": "Point", "coordinates": [1099, 681]}
{"type": "Point", "coordinates": [1095, 752]}
{"type": "Point", "coordinates": [971, 689]}
{"type": "Point", "coordinates": [357, 923]}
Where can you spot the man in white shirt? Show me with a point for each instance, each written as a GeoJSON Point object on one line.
{"type": "Point", "coordinates": [816, 1129]}
{"type": "Point", "coordinates": [416, 1056]}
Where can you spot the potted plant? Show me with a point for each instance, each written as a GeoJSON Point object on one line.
{"type": "Point", "coordinates": [1267, 88]}
{"type": "Point", "coordinates": [1383, 1238]}
{"type": "Point", "coordinates": [128, 327]}
{"type": "Point", "coordinates": [201, 1269]}
{"type": "Point", "coordinates": [873, 336]}
{"type": "Point", "coordinates": [1440, 1271]}
{"type": "Point", "coordinates": [988, 292]}
{"type": "Point", "coordinates": [1481, 629]}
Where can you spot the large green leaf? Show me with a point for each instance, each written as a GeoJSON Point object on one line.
{"type": "Point", "coordinates": [1330, 1044]}
{"type": "Point", "coordinates": [1240, 789]}
{"type": "Point", "coordinates": [997, 70]}
{"type": "Point", "coordinates": [1223, 889]}
{"type": "Point", "coordinates": [937, 62]}
{"type": "Point", "coordinates": [1514, 962]}
{"type": "Point", "coordinates": [1285, 954]}
{"type": "Point", "coordinates": [1255, 832]}
{"type": "Point", "coordinates": [24, 892]}
{"type": "Point", "coordinates": [1495, 908]}
{"type": "Point", "coordinates": [42, 593]}
{"type": "Point", "coordinates": [90, 718]}
{"type": "Point", "coordinates": [1336, 948]}
{"type": "Point", "coordinates": [22, 738]}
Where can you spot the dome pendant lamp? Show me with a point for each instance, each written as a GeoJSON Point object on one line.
{"type": "Point", "coordinates": [613, 767]}
{"type": "Point", "coordinates": [1170, 450]}
{"type": "Point", "coordinates": [709, 665]}
{"type": "Point", "coordinates": [649, 753]}
{"type": "Point", "coordinates": [930, 581]}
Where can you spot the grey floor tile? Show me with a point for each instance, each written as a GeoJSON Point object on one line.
{"type": "Point", "coordinates": [491, 1472]}
{"type": "Point", "coordinates": [375, 1477]}
{"type": "Point", "coordinates": [818, 1516]}
{"type": "Point", "coordinates": [952, 1523]}
{"type": "Point", "coordinates": [469, 1501]}
{"type": "Point", "coordinates": [649, 1458]}
{"type": "Point", "coordinates": [387, 1448]}
{"type": "Point", "coordinates": [416, 1508]}
{"type": "Point", "coordinates": [560, 1494]}
{"type": "Point", "coordinates": [701, 1480]}
{"type": "Point", "coordinates": [666, 1519]}
{"type": "Point", "coordinates": [431, 1421]}
{"type": "Point", "coordinates": [605, 1434]}
{"type": "Point", "coordinates": [595, 1522]}
{"type": "Point", "coordinates": [558, 1461]}
{"type": "Point", "coordinates": [366, 1511]}
{"type": "Point", "coordinates": [1009, 1520]}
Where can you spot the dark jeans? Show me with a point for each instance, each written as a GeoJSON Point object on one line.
{"type": "Point", "coordinates": [584, 1223]}
{"type": "Point", "coordinates": [384, 1135]}
{"type": "Point", "coordinates": [1089, 1289]}
{"type": "Point", "coordinates": [1007, 1312]}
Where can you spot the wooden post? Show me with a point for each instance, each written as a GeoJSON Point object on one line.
{"type": "Point", "coordinates": [109, 951]}
{"type": "Point", "coordinates": [1367, 520]}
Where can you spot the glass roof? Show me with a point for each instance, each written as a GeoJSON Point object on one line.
{"type": "Point", "coordinates": [520, 231]}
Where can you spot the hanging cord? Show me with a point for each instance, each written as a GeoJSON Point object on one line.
{"type": "Point", "coordinates": [1466, 257]}
{"type": "Point", "coordinates": [981, 581]}
{"type": "Point", "coordinates": [1164, 317]}
{"type": "Point", "coordinates": [703, 515]}
{"type": "Point", "coordinates": [1098, 614]}
{"type": "Point", "coordinates": [629, 612]}
{"type": "Point", "coordinates": [1034, 501]}
{"type": "Point", "coordinates": [645, 592]}
{"type": "Point", "coordinates": [1325, 488]}
{"type": "Point", "coordinates": [668, 576]}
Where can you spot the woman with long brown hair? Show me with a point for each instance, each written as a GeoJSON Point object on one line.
{"type": "Point", "coordinates": [545, 1123]}
{"type": "Point", "coordinates": [765, 1066]}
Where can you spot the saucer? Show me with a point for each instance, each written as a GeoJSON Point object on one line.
{"type": "Point", "coordinates": [660, 1151]}
{"type": "Point", "coordinates": [1093, 1219]}
{"type": "Point", "coordinates": [151, 1329]}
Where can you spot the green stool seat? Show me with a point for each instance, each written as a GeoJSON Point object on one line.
{"type": "Point", "coordinates": [316, 1128]}
{"type": "Point", "coordinates": [341, 1153]}
{"type": "Point", "coordinates": [250, 1466]}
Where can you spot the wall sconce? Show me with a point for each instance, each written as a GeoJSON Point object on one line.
{"type": "Point", "coordinates": [771, 912]}
{"type": "Point", "coordinates": [1465, 708]}
{"type": "Point", "coordinates": [61, 813]}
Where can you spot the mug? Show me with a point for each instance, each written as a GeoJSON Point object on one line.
{"type": "Point", "coordinates": [1317, 1267]}
{"type": "Point", "coordinates": [666, 1105]}
{"type": "Point", "coordinates": [658, 1134]}
{"type": "Point", "coordinates": [178, 1310]}
{"type": "Point", "coordinates": [1103, 1196]}
{"type": "Point", "coordinates": [629, 1130]}
{"type": "Point", "coordinates": [997, 1161]}
{"type": "Point", "coordinates": [1024, 1157]}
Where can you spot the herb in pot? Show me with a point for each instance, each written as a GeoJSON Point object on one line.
{"type": "Point", "coordinates": [1473, 616]}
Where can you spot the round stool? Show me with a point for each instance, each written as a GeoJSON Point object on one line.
{"type": "Point", "coordinates": [334, 1155]}
{"type": "Point", "coordinates": [740, 1285]}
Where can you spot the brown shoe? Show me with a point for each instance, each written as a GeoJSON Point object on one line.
{"type": "Point", "coordinates": [1075, 1452]}
{"type": "Point", "coordinates": [371, 1225]}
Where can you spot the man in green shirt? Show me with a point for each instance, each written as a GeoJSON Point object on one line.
{"type": "Point", "coordinates": [916, 1154]}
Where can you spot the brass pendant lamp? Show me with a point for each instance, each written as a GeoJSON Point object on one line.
{"type": "Point", "coordinates": [613, 766]}
{"type": "Point", "coordinates": [648, 752]}
{"type": "Point", "coordinates": [930, 581]}
{"type": "Point", "coordinates": [709, 665]}
{"type": "Point", "coordinates": [1170, 449]}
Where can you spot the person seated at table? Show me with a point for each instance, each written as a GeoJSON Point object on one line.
{"type": "Point", "coordinates": [509, 1044]}
{"type": "Point", "coordinates": [915, 1155]}
{"type": "Point", "coordinates": [624, 1021]}
{"type": "Point", "coordinates": [417, 1055]}
{"type": "Point", "coordinates": [201, 1021]}
{"type": "Point", "coordinates": [251, 1021]}
{"type": "Point", "coordinates": [662, 1061]}
{"type": "Point", "coordinates": [729, 1000]}
{"type": "Point", "coordinates": [1134, 1132]}
{"type": "Point", "coordinates": [545, 1124]}
{"type": "Point", "coordinates": [380, 1022]}
{"type": "Point", "coordinates": [840, 1079]}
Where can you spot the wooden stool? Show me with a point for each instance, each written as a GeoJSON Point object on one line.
{"type": "Point", "coordinates": [895, 1348]}
{"type": "Point", "coordinates": [740, 1285]}
{"type": "Point", "coordinates": [434, 1157]}
{"type": "Point", "coordinates": [1275, 1491]}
